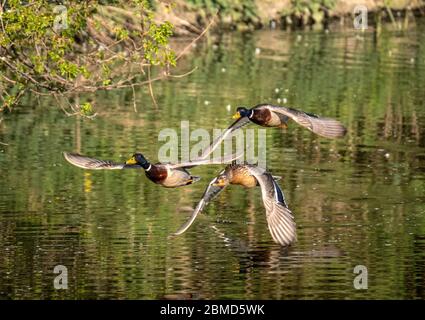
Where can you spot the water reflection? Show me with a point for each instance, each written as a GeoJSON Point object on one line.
{"type": "Point", "coordinates": [356, 201]}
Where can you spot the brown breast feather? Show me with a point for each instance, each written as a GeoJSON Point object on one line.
{"type": "Point", "coordinates": [157, 174]}
{"type": "Point", "coordinates": [261, 117]}
{"type": "Point", "coordinates": [240, 175]}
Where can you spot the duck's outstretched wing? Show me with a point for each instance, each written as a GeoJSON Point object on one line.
{"type": "Point", "coordinates": [325, 127]}
{"type": "Point", "coordinates": [280, 220]}
{"type": "Point", "coordinates": [233, 127]}
{"type": "Point", "coordinates": [200, 162]}
{"type": "Point", "coordinates": [210, 193]}
{"type": "Point", "coordinates": [95, 164]}
{"type": "Point", "coordinates": [203, 159]}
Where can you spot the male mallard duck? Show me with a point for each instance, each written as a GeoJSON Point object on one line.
{"type": "Point", "coordinates": [279, 218]}
{"type": "Point", "coordinates": [268, 115]}
{"type": "Point", "coordinates": [167, 175]}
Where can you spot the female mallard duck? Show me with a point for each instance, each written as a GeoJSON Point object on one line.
{"type": "Point", "coordinates": [279, 218]}
{"type": "Point", "coordinates": [167, 175]}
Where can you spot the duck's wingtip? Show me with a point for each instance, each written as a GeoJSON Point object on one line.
{"type": "Point", "coordinates": [331, 129]}
{"type": "Point", "coordinates": [66, 154]}
{"type": "Point", "coordinates": [69, 156]}
{"type": "Point", "coordinates": [181, 230]}
{"type": "Point", "coordinates": [195, 179]}
{"type": "Point", "coordinates": [282, 225]}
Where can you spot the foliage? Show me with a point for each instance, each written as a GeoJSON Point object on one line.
{"type": "Point", "coordinates": [237, 10]}
{"type": "Point", "coordinates": [78, 46]}
{"type": "Point", "coordinates": [307, 11]}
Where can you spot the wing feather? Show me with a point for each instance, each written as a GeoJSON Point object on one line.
{"type": "Point", "coordinates": [199, 162]}
{"type": "Point", "coordinates": [204, 158]}
{"type": "Point", "coordinates": [243, 121]}
{"type": "Point", "coordinates": [325, 127]}
{"type": "Point", "coordinates": [210, 193]}
{"type": "Point", "coordinates": [280, 220]}
{"type": "Point", "coordinates": [94, 164]}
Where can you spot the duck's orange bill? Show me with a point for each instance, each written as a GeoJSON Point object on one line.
{"type": "Point", "coordinates": [219, 183]}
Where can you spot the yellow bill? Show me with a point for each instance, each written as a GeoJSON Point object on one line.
{"type": "Point", "coordinates": [219, 183]}
{"type": "Point", "coordinates": [132, 160]}
{"type": "Point", "coordinates": [237, 115]}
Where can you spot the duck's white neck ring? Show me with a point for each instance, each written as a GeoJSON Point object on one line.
{"type": "Point", "coordinates": [150, 166]}
{"type": "Point", "coordinates": [251, 114]}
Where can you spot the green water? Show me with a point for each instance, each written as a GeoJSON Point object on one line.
{"type": "Point", "coordinates": [356, 201]}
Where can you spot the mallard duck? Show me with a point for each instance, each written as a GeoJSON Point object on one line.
{"type": "Point", "coordinates": [280, 220]}
{"type": "Point", "coordinates": [167, 175]}
{"type": "Point", "coordinates": [268, 115]}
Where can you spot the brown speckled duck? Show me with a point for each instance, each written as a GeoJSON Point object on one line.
{"type": "Point", "coordinates": [280, 220]}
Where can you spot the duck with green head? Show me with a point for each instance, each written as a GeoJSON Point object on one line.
{"type": "Point", "coordinates": [164, 174]}
{"type": "Point", "coordinates": [268, 115]}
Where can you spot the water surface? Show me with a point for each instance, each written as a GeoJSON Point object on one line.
{"type": "Point", "coordinates": [357, 201]}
